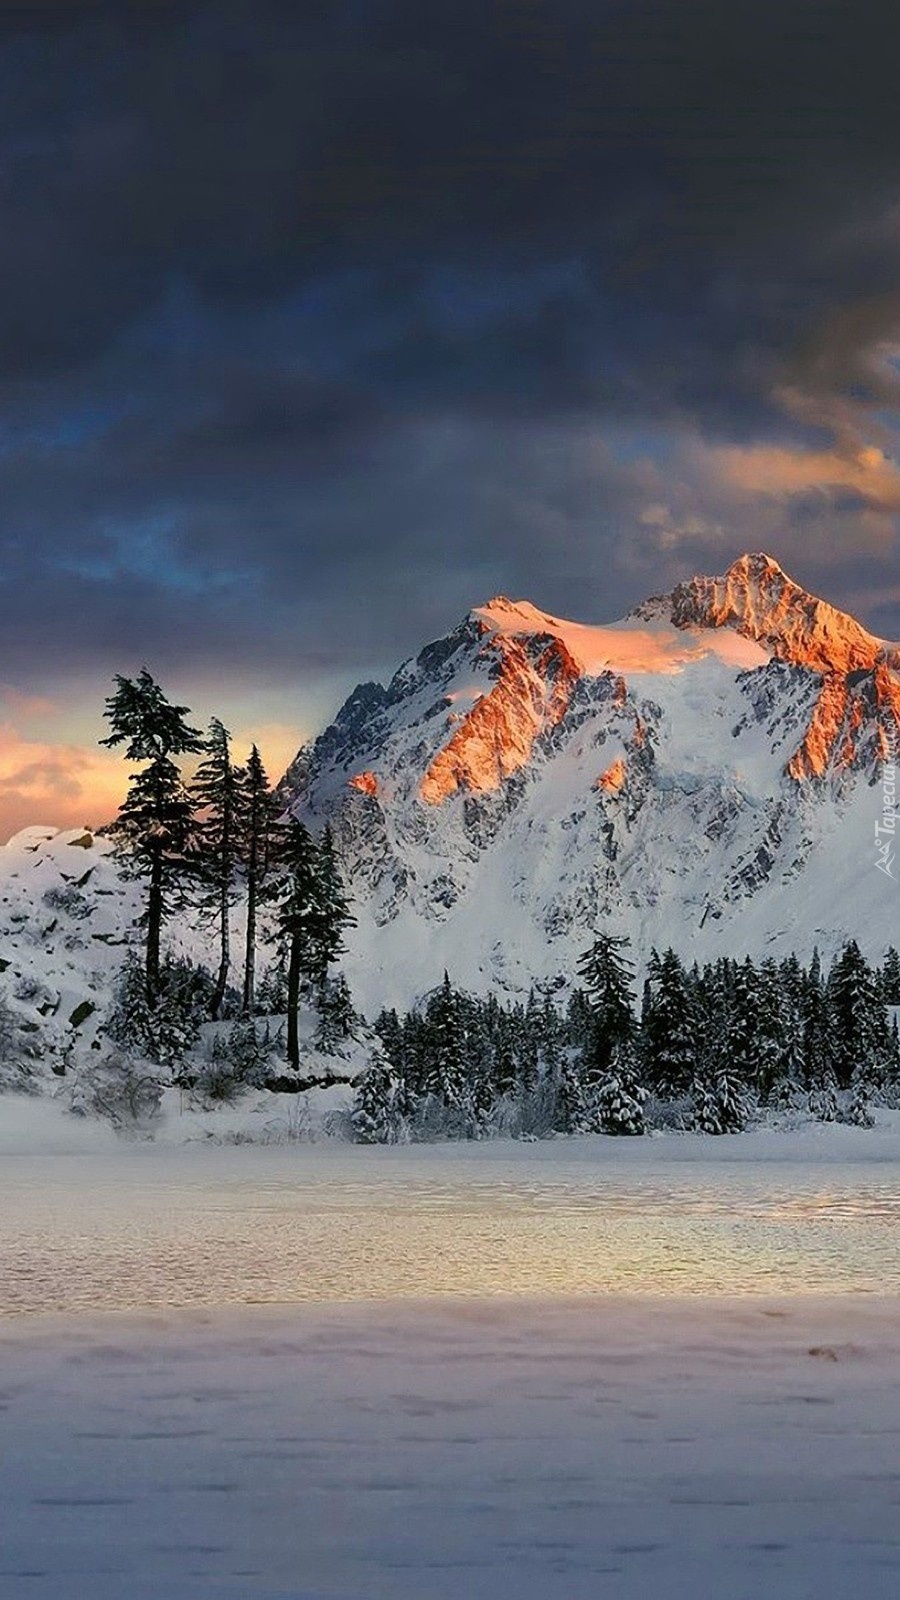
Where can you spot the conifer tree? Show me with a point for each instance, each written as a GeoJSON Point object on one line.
{"type": "Point", "coordinates": [445, 1072]}
{"type": "Point", "coordinates": [607, 978]}
{"type": "Point", "coordinates": [333, 908]}
{"type": "Point", "coordinates": [857, 1013]}
{"type": "Point", "coordinates": [670, 1028]}
{"type": "Point", "coordinates": [154, 831]}
{"type": "Point", "coordinates": [721, 1101]}
{"type": "Point", "coordinates": [720, 1095]}
{"type": "Point", "coordinates": [374, 1113]}
{"type": "Point", "coordinates": [612, 1092]}
{"type": "Point", "coordinates": [216, 796]}
{"type": "Point", "coordinates": [890, 977]}
{"type": "Point", "coordinates": [258, 814]}
{"type": "Point", "coordinates": [299, 919]}
{"type": "Point", "coordinates": [338, 1020]}
{"type": "Point", "coordinates": [618, 1096]}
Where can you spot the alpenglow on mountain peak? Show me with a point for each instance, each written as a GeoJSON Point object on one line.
{"type": "Point", "coordinates": [682, 765]}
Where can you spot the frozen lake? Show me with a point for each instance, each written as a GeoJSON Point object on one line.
{"type": "Point", "coordinates": [495, 1372]}
{"type": "Point", "coordinates": [197, 1225]}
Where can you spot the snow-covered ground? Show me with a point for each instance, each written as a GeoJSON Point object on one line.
{"type": "Point", "coordinates": [590, 1369]}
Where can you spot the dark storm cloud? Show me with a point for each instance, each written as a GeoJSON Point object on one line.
{"type": "Point", "coordinates": [304, 308]}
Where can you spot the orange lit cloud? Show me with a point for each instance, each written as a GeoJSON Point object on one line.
{"type": "Point", "coordinates": [779, 471]}
{"type": "Point", "coordinates": [75, 785]}
{"type": "Point", "coordinates": [63, 785]}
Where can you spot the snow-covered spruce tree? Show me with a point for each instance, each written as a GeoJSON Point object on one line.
{"type": "Point", "coordinates": [167, 1031]}
{"type": "Point", "coordinates": [863, 1088]}
{"type": "Point", "coordinates": [258, 813]}
{"type": "Point", "coordinates": [613, 1094]}
{"type": "Point", "coordinates": [823, 1095]}
{"type": "Point", "coordinates": [670, 1028]}
{"type": "Point", "coordinates": [619, 1096]}
{"type": "Point", "coordinates": [891, 1071]}
{"type": "Point", "coordinates": [857, 1012]}
{"type": "Point", "coordinates": [445, 1078]}
{"type": "Point", "coordinates": [375, 1115]}
{"type": "Point", "coordinates": [740, 994]}
{"type": "Point", "coordinates": [818, 1060]}
{"type": "Point", "coordinates": [338, 1021]}
{"type": "Point", "coordinates": [721, 1099]}
{"type": "Point", "coordinates": [155, 831]}
{"type": "Point", "coordinates": [721, 1103]}
{"type": "Point", "coordinates": [393, 1037]}
{"type": "Point", "coordinates": [504, 1067]}
{"type": "Point", "coordinates": [890, 977]}
{"type": "Point", "coordinates": [571, 1110]}
{"type": "Point", "coordinates": [215, 794]}
{"type": "Point", "coordinates": [607, 979]}
{"type": "Point", "coordinates": [771, 1022]}
{"type": "Point", "coordinates": [787, 1085]}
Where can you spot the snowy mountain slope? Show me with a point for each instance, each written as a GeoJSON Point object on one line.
{"type": "Point", "coordinates": [705, 773]}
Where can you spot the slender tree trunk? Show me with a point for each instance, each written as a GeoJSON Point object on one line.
{"type": "Point", "coordinates": [154, 926]}
{"type": "Point", "coordinates": [250, 947]}
{"type": "Point", "coordinates": [293, 1003]}
{"type": "Point", "coordinates": [224, 950]}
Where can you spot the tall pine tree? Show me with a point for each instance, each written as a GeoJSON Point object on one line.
{"type": "Point", "coordinates": [258, 813]}
{"type": "Point", "coordinates": [154, 831]}
{"type": "Point", "coordinates": [215, 793]}
{"type": "Point", "coordinates": [299, 917]}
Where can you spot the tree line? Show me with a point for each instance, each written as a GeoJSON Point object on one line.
{"type": "Point", "coordinates": [704, 1048]}
{"type": "Point", "coordinates": [707, 1048]}
{"type": "Point", "coordinates": [200, 843]}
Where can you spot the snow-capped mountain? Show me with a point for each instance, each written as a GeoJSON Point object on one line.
{"type": "Point", "coordinates": [705, 772]}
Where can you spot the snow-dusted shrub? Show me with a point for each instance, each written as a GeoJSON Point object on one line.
{"type": "Point", "coordinates": [122, 1089]}
{"type": "Point", "coordinates": [674, 1116]}
{"type": "Point", "coordinates": [234, 1061]}
{"type": "Point", "coordinates": [32, 991]}
{"type": "Point", "coordinates": [823, 1101]}
{"type": "Point", "coordinates": [167, 1031]}
{"type": "Point", "coordinates": [67, 898]}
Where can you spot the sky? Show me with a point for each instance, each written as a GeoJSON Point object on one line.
{"type": "Point", "coordinates": [322, 323]}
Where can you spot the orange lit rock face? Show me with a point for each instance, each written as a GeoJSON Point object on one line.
{"type": "Point", "coordinates": [857, 705]}
{"type": "Point", "coordinates": [761, 602]}
{"type": "Point", "coordinates": [365, 782]}
{"type": "Point", "coordinates": [613, 778]}
{"type": "Point", "coordinates": [496, 738]}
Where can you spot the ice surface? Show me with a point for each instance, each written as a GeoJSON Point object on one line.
{"type": "Point", "coordinates": [468, 1451]}
{"type": "Point", "coordinates": [527, 1441]}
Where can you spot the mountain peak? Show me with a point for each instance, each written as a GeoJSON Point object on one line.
{"type": "Point", "coordinates": [755, 565]}
{"type": "Point", "coordinates": [758, 599]}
